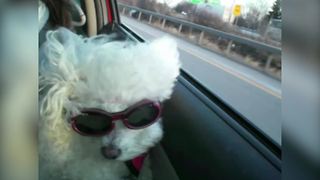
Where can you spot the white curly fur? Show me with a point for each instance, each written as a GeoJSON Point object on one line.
{"type": "Point", "coordinates": [76, 73]}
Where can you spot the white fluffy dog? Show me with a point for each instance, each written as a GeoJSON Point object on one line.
{"type": "Point", "coordinates": [77, 73]}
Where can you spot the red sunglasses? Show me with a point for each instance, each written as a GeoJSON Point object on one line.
{"type": "Point", "coordinates": [97, 122]}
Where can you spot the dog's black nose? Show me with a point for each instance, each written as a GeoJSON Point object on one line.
{"type": "Point", "coordinates": [110, 152]}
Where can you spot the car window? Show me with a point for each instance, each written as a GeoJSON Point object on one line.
{"type": "Point", "coordinates": [233, 48]}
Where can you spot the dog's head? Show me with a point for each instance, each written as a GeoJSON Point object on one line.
{"type": "Point", "coordinates": [78, 73]}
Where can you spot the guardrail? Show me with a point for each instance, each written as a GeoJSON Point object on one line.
{"type": "Point", "coordinates": [235, 38]}
{"type": "Point", "coordinates": [273, 50]}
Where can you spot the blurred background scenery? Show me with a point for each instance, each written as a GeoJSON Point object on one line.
{"type": "Point", "coordinates": [218, 25]}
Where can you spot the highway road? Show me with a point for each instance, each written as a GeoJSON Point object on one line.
{"type": "Point", "coordinates": [253, 94]}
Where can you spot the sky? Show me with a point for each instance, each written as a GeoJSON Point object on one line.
{"type": "Point", "coordinates": [170, 3]}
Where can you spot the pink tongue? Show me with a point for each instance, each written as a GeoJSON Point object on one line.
{"type": "Point", "coordinates": [138, 161]}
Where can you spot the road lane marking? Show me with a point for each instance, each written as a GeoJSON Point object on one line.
{"type": "Point", "coordinates": [228, 70]}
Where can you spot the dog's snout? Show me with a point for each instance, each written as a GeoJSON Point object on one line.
{"type": "Point", "coordinates": [110, 152]}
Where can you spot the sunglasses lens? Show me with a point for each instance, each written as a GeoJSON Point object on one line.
{"type": "Point", "coordinates": [143, 115]}
{"type": "Point", "coordinates": [93, 124]}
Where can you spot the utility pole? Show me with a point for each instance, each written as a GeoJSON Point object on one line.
{"type": "Point", "coordinates": [231, 11]}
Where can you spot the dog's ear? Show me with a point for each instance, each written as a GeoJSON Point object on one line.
{"type": "Point", "coordinates": [165, 56]}
{"type": "Point", "coordinates": [57, 72]}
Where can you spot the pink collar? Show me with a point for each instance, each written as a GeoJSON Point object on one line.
{"type": "Point", "coordinates": [135, 165]}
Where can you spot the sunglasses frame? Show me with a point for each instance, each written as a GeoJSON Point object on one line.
{"type": "Point", "coordinates": [119, 116]}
